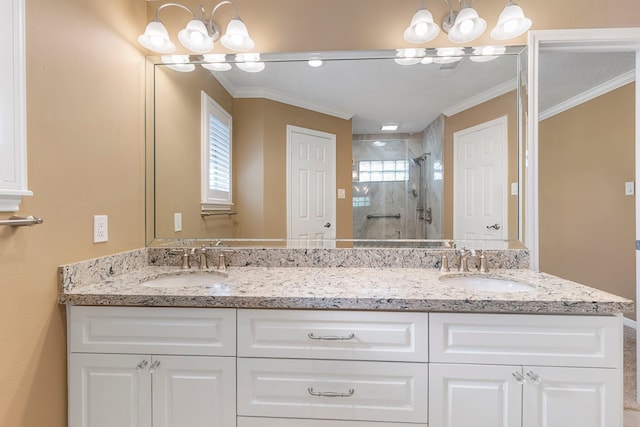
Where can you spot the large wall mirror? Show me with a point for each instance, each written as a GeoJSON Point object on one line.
{"type": "Point", "coordinates": [396, 148]}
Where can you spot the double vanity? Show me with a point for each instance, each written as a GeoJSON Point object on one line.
{"type": "Point", "coordinates": [337, 338]}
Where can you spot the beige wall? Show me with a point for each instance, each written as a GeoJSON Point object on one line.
{"type": "Point", "coordinates": [85, 78]}
{"type": "Point", "coordinates": [85, 95]}
{"type": "Point", "coordinates": [260, 151]}
{"type": "Point", "coordinates": [504, 105]}
{"type": "Point", "coordinates": [587, 224]}
{"type": "Point", "coordinates": [178, 153]}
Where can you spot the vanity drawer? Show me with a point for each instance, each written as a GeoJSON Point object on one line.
{"type": "Point", "coordinates": [295, 422]}
{"type": "Point", "coordinates": [590, 341]}
{"type": "Point", "coordinates": [369, 391]}
{"type": "Point", "coordinates": [152, 330]}
{"type": "Point", "coordinates": [324, 334]}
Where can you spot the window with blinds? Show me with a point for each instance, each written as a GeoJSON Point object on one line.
{"type": "Point", "coordinates": [216, 156]}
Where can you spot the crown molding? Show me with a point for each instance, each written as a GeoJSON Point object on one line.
{"type": "Point", "coordinates": [482, 97]}
{"type": "Point", "coordinates": [588, 95]}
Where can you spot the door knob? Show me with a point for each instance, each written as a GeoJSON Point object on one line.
{"type": "Point", "coordinates": [327, 225]}
{"type": "Point", "coordinates": [494, 227]}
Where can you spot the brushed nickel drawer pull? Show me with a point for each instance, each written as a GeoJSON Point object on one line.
{"type": "Point", "coordinates": [331, 337]}
{"type": "Point", "coordinates": [330, 393]}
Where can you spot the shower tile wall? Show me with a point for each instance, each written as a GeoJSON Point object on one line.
{"type": "Point", "coordinates": [434, 143]}
{"type": "Point", "coordinates": [397, 197]}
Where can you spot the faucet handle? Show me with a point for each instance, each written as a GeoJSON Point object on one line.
{"type": "Point", "coordinates": [483, 268]}
{"type": "Point", "coordinates": [185, 257]}
{"type": "Point", "coordinates": [222, 261]}
{"type": "Point", "coordinates": [444, 264]}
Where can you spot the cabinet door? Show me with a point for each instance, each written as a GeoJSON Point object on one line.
{"type": "Point", "coordinates": [572, 397]}
{"type": "Point", "coordinates": [193, 391]}
{"type": "Point", "coordinates": [107, 390]}
{"type": "Point", "coordinates": [474, 395]}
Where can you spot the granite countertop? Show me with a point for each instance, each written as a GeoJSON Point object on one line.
{"type": "Point", "coordinates": [399, 289]}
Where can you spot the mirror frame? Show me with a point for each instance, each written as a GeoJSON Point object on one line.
{"type": "Point", "coordinates": [150, 190]}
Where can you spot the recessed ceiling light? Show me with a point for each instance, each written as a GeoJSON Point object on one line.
{"type": "Point", "coordinates": [389, 126]}
{"type": "Point", "coordinates": [315, 63]}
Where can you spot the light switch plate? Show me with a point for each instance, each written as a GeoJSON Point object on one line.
{"type": "Point", "coordinates": [177, 221]}
{"type": "Point", "coordinates": [629, 188]}
{"type": "Point", "coordinates": [341, 193]}
{"type": "Point", "coordinates": [514, 188]}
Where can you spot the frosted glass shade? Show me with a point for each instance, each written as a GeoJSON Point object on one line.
{"type": "Point", "coordinates": [237, 37]}
{"type": "Point", "coordinates": [195, 37]}
{"type": "Point", "coordinates": [511, 23]}
{"type": "Point", "coordinates": [156, 38]}
{"type": "Point", "coordinates": [422, 28]}
{"type": "Point", "coordinates": [468, 26]}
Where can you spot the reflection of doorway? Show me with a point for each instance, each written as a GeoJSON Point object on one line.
{"type": "Point", "coordinates": [480, 181]}
{"type": "Point", "coordinates": [311, 187]}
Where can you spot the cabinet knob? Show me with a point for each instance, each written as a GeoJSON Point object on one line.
{"type": "Point", "coordinates": [154, 366]}
{"type": "Point", "coordinates": [518, 376]}
{"type": "Point", "coordinates": [533, 377]}
{"type": "Point", "coordinates": [140, 366]}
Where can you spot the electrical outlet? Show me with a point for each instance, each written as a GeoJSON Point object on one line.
{"type": "Point", "coordinates": [177, 222]}
{"type": "Point", "coordinates": [100, 228]}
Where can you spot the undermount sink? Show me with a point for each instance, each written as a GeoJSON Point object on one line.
{"type": "Point", "coordinates": [487, 284]}
{"type": "Point", "coordinates": [203, 279]}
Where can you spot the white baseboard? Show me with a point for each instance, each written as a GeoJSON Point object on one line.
{"type": "Point", "coordinates": [630, 323]}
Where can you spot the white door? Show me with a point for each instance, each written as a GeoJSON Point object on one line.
{"type": "Point", "coordinates": [107, 390]}
{"type": "Point", "coordinates": [480, 181]}
{"type": "Point", "coordinates": [572, 397]}
{"type": "Point", "coordinates": [194, 391]}
{"type": "Point", "coordinates": [311, 187]}
{"type": "Point", "coordinates": [474, 395]}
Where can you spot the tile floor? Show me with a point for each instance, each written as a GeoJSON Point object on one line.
{"type": "Point", "coordinates": [631, 407]}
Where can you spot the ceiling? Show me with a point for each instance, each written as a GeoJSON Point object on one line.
{"type": "Point", "coordinates": [376, 91]}
{"type": "Point", "coordinates": [565, 75]}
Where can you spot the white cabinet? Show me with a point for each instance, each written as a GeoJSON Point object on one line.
{"type": "Point", "coordinates": [13, 143]}
{"type": "Point", "coordinates": [175, 367]}
{"type": "Point", "coordinates": [474, 395]}
{"type": "Point", "coordinates": [112, 385]}
{"type": "Point", "coordinates": [347, 335]}
{"type": "Point", "coordinates": [482, 371]}
{"type": "Point", "coordinates": [326, 368]}
{"type": "Point", "coordinates": [572, 397]}
{"type": "Point", "coordinates": [333, 389]}
{"type": "Point", "coordinates": [107, 390]}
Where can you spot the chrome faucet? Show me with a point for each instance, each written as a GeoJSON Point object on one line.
{"type": "Point", "coordinates": [202, 258]}
{"type": "Point", "coordinates": [463, 256]}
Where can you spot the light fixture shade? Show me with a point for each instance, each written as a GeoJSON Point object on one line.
{"type": "Point", "coordinates": [156, 38]}
{"type": "Point", "coordinates": [178, 63]}
{"type": "Point", "coordinates": [216, 62]}
{"type": "Point", "coordinates": [422, 28]}
{"type": "Point", "coordinates": [237, 37]}
{"type": "Point", "coordinates": [195, 37]}
{"type": "Point", "coordinates": [511, 23]}
{"type": "Point", "coordinates": [487, 53]}
{"type": "Point", "coordinates": [468, 26]}
{"type": "Point", "coordinates": [409, 56]}
{"type": "Point", "coordinates": [249, 62]}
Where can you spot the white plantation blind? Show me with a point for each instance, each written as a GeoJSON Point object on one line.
{"type": "Point", "coordinates": [216, 155]}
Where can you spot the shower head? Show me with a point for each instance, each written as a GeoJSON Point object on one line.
{"type": "Point", "coordinates": [420, 159]}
